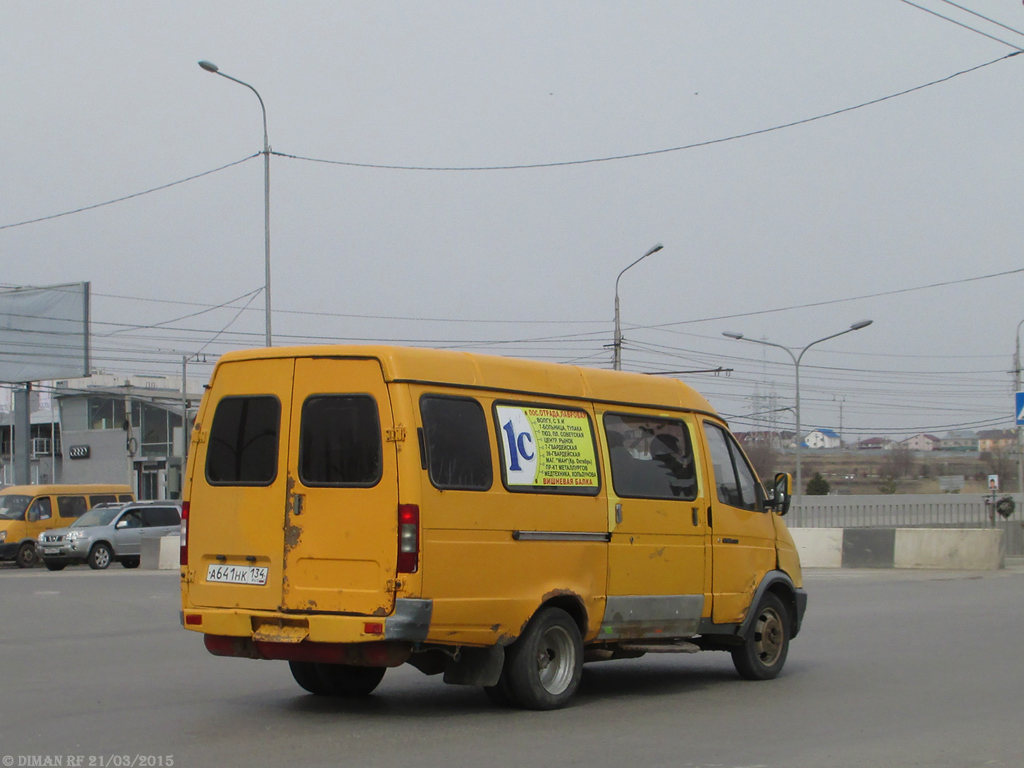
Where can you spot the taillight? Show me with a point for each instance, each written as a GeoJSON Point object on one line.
{"type": "Point", "coordinates": [183, 559]}
{"type": "Point", "coordinates": [408, 538]}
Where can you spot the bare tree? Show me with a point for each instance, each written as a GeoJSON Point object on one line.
{"type": "Point", "coordinates": [898, 463]}
{"type": "Point", "coordinates": [763, 454]}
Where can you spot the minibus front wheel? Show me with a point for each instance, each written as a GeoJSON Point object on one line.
{"type": "Point", "coordinates": [545, 664]}
{"type": "Point", "coordinates": [26, 556]}
{"type": "Point", "coordinates": [766, 645]}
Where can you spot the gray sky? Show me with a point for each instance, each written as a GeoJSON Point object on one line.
{"type": "Point", "coordinates": [104, 99]}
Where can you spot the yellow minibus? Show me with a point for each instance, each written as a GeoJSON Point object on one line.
{"type": "Point", "coordinates": [498, 522]}
{"type": "Point", "coordinates": [28, 510]}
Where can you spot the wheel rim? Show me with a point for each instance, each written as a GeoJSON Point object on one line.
{"type": "Point", "coordinates": [102, 557]}
{"type": "Point", "coordinates": [556, 660]}
{"type": "Point", "coordinates": [769, 636]}
{"type": "Point", "coordinates": [26, 556]}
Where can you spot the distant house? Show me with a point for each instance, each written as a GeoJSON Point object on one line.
{"type": "Point", "coordinates": [921, 442]}
{"type": "Point", "coordinates": [874, 443]}
{"type": "Point", "coordinates": [822, 438]}
{"type": "Point", "coordinates": [996, 439]}
{"type": "Point", "coordinates": [961, 440]}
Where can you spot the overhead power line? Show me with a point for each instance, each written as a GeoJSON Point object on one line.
{"type": "Point", "coordinates": [968, 26]}
{"type": "Point", "coordinates": [648, 153]}
{"type": "Point", "coordinates": [129, 197]}
{"type": "Point", "coordinates": [555, 164]}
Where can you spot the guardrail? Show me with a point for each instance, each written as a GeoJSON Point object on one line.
{"type": "Point", "coordinates": [945, 510]}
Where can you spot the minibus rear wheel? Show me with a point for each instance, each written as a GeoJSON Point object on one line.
{"type": "Point", "coordinates": [501, 693]}
{"type": "Point", "coordinates": [766, 645]}
{"type": "Point", "coordinates": [545, 664]}
{"type": "Point", "coordinates": [306, 675]}
{"type": "Point", "coordinates": [350, 681]}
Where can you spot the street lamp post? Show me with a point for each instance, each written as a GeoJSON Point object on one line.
{"type": "Point", "coordinates": [796, 364]}
{"type": "Point", "coordinates": [209, 66]}
{"type": "Point", "coordinates": [617, 345]}
{"type": "Point", "coordinates": [1016, 373]}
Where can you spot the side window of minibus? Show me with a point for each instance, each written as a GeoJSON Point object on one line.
{"type": "Point", "coordinates": [650, 457]}
{"type": "Point", "coordinates": [40, 510]}
{"type": "Point", "coordinates": [455, 443]}
{"type": "Point", "coordinates": [71, 506]}
{"type": "Point", "coordinates": [735, 483]}
{"type": "Point", "coordinates": [102, 499]}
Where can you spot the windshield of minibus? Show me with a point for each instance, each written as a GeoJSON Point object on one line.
{"type": "Point", "coordinates": [13, 507]}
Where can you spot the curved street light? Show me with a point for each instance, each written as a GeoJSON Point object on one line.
{"type": "Point", "coordinates": [209, 66]}
{"type": "Point", "coordinates": [796, 363]}
{"type": "Point", "coordinates": [617, 344]}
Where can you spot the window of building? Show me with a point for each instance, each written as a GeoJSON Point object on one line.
{"type": "Point", "coordinates": [651, 458]}
{"type": "Point", "coordinates": [455, 442]}
{"type": "Point", "coordinates": [244, 441]}
{"type": "Point", "coordinates": [340, 441]}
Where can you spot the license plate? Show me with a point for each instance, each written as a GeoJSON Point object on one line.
{"type": "Point", "coordinates": [237, 574]}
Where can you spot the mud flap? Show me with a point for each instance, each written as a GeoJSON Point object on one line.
{"type": "Point", "coordinates": [476, 666]}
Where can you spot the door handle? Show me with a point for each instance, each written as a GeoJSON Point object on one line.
{"type": "Point", "coordinates": [618, 513]}
{"type": "Point", "coordinates": [696, 519]}
{"type": "Point", "coordinates": [297, 500]}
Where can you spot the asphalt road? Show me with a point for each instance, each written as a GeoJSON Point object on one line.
{"type": "Point", "coordinates": [891, 669]}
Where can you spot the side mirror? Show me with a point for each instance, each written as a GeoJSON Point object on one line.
{"type": "Point", "coordinates": [782, 492]}
{"type": "Point", "coordinates": [121, 524]}
{"type": "Point", "coordinates": [32, 515]}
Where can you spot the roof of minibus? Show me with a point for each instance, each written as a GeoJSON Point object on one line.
{"type": "Point", "coordinates": [39, 490]}
{"type": "Point", "coordinates": [508, 374]}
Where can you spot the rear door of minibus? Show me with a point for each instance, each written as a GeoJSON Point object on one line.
{"type": "Point", "coordinates": [239, 486]}
{"type": "Point", "coordinates": [341, 517]}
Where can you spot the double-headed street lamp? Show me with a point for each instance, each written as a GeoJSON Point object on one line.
{"type": "Point", "coordinates": [617, 345]}
{"type": "Point", "coordinates": [209, 66]}
{"type": "Point", "coordinates": [796, 364]}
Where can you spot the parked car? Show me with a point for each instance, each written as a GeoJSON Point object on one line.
{"type": "Point", "coordinates": [107, 533]}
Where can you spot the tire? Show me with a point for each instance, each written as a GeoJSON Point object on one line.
{"type": "Point", "coordinates": [131, 562]}
{"type": "Point", "coordinates": [349, 681]}
{"type": "Point", "coordinates": [766, 645]}
{"type": "Point", "coordinates": [100, 557]}
{"type": "Point", "coordinates": [305, 675]}
{"type": "Point", "coordinates": [501, 693]}
{"type": "Point", "coordinates": [26, 556]}
{"type": "Point", "coordinates": [545, 664]}
{"type": "Point", "coordinates": [52, 566]}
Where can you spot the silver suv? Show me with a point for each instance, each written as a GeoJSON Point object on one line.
{"type": "Point", "coordinates": [108, 532]}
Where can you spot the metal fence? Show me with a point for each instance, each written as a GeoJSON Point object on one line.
{"type": "Point", "coordinates": [946, 510]}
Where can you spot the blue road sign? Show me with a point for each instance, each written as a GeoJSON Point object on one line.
{"type": "Point", "coordinates": [1020, 409]}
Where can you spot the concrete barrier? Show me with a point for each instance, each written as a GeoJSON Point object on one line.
{"type": "Point", "coordinates": [819, 547]}
{"type": "Point", "coordinates": [160, 553]}
{"type": "Point", "coordinates": [952, 548]}
{"type": "Point", "coordinates": [973, 550]}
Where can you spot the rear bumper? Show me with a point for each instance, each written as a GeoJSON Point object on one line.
{"type": "Point", "coordinates": [409, 622]}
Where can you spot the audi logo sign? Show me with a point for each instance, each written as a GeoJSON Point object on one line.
{"type": "Point", "coordinates": [78, 452]}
